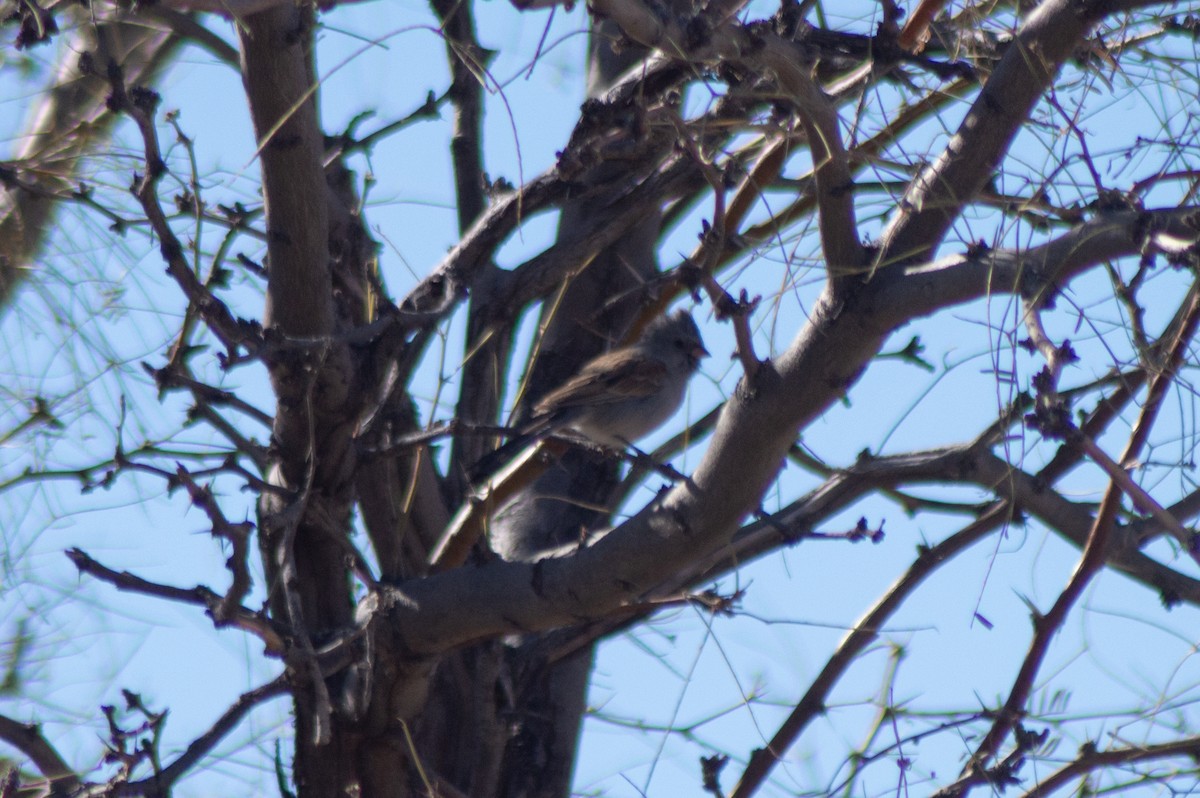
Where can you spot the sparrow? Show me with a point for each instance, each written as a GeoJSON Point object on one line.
{"type": "Point", "coordinates": [623, 395]}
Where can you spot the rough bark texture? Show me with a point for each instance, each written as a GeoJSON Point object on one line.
{"type": "Point", "coordinates": [313, 459]}
{"type": "Point", "coordinates": [472, 679]}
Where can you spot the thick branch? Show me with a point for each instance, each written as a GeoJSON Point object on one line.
{"type": "Point", "coordinates": [844, 253]}
{"type": "Point", "coordinates": [28, 739]}
{"type": "Point", "coordinates": [448, 282]}
{"type": "Point", "coordinates": [1090, 760]}
{"type": "Point", "coordinates": [935, 198]}
{"type": "Point", "coordinates": [763, 52]}
{"type": "Point", "coordinates": [692, 521]}
{"type": "Point", "coordinates": [926, 288]}
{"type": "Point", "coordinates": [695, 518]}
{"type": "Point", "coordinates": [279, 80]}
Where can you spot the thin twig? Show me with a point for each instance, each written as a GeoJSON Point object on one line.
{"type": "Point", "coordinates": [239, 617]}
{"type": "Point", "coordinates": [29, 740]}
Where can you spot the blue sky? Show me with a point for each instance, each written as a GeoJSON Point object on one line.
{"type": "Point", "coordinates": [86, 336]}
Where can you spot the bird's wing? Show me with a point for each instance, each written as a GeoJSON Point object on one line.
{"type": "Point", "coordinates": [603, 381]}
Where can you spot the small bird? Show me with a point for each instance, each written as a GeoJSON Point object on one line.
{"type": "Point", "coordinates": [622, 395]}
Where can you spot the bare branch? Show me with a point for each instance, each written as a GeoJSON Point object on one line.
{"type": "Point", "coordinates": [161, 782]}
{"type": "Point", "coordinates": [844, 253]}
{"type": "Point", "coordinates": [1090, 564]}
{"type": "Point", "coordinates": [240, 617]}
{"type": "Point", "coordinates": [28, 739]}
{"type": "Point", "coordinates": [934, 200]}
{"type": "Point", "coordinates": [140, 104]}
{"type": "Point", "coordinates": [1090, 759]}
{"type": "Point", "coordinates": [234, 9]}
{"type": "Point", "coordinates": [928, 287]}
{"type": "Point", "coordinates": [864, 632]}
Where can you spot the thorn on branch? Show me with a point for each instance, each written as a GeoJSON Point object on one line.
{"type": "Point", "coordinates": [1051, 415]}
{"type": "Point", "coordinates": [1030, 740]}
{"type": "Point", "coordinates": [738, 311]}
{"type": "Point", "coordinates": [186, 202]}
{"type": "Point", "coordinates": [862, 531]}
{"type": "Point", "coordinates": [497, 188]}
{"type": "Point", "coordinates": [238, 537]}
{"type": "Point", "coordinates": [236, 214]}
{"type": "Point", "coordinates": [251, 266]}
{"type": "Point", "coordinates": [978, 249]}
{"type": "Point", "coordinates": [789, 19]}
{"type": "Point", "coordinates": [1111, 199]}
{"type": "Point", "coordinates": [37, 25]}
{"type": "Point", "coordinates": [120, 751]}
{"type": "Point", "coordinates": [710, 773]}
{"type": "Point", "coordinates": [145, 99]}
{"type": "Point", "coordinates": [717, 604]}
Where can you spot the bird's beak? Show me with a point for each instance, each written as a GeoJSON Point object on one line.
{"type": "Point", "coordinates": [699, 352]}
